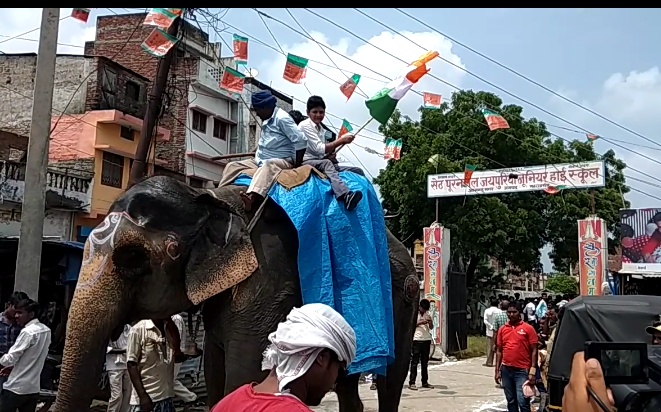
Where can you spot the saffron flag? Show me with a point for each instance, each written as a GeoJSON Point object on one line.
{"type": "Point", "coordinates": [295, 69]}
{"type": "Point", "coordinates": [346, 128]}
{"type": "Point", "coordinates": [177, 12]}
{"type": "Point", "coordinates": [468, 173]}
{"type": "Point", "coordinates": [240, 44]}
{"type": "Point", "coordinates": [162, 18]}
{"type": "Point", "coordinates": [348, 87]}
{"type": "Point", "coordinates": [494, 120]}
{"type": "Point", "coordinates": [552, 190]}
{"type": "Point", "coordinates": [232, 81]}
{"type": "Point", "coordinates": [158, 43]}
{"type": "Point", "coordinates": [383, 104]}
{"type": "Point", "coordinates": [591, 137]}
{"type": "Point", "coordinates": [81, 14]}
{"type": "Point", "coordinates": [431, 100]}
{"type": "Point", "coordinates": [393, 149]}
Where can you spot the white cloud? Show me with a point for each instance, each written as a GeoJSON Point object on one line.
{"type": "Point", "coordinates": [631, 100]}
{"type": "Point", "coordinates": [270, 72]}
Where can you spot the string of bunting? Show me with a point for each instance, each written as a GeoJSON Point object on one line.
{"type": "Point", "coordinates": [82, 15]}
{"type": "Point", "coordinates": [159, 42]}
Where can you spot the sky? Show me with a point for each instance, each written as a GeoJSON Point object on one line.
{"type": "Point", "coordinates": [606, 60]}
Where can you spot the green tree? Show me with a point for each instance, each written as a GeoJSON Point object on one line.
{"type": "Point", "coordinates": [563, 284]}
{"type": "Point", "coordinates": [509, 227]}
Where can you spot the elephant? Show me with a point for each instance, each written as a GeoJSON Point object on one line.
{"type": "Point", "coordinates": [165, 247]}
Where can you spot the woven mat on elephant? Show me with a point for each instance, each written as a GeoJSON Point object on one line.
{"type": "Point", "coordinates": [288, 179]}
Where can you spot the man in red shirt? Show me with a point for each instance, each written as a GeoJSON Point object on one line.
{"type": "Point", "coordinates": [307, 355]}
{"type": "Point", "coordinates": [516, 359]}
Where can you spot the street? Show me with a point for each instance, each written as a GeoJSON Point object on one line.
{"type": "Point", "coordinates": [463, 386]}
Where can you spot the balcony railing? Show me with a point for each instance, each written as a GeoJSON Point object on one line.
{"type": "Point", "coordinates": [64, 189]}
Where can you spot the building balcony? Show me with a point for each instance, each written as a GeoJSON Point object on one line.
{"type": "Point", "coordinates": [65, 189]}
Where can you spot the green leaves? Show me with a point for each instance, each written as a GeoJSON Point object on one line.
{"type": "Point", "coordinates": [563, 284]}
{"type": "Point", "coordinates": [509, 227]}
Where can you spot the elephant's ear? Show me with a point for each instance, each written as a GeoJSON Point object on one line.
{"type": "Point", "coordinates": [222, 254]}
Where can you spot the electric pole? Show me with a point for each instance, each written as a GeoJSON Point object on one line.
{"type": "Point", "coordinates": [153, 109]}
{"type": "Point", "coordinates": [28, 261]}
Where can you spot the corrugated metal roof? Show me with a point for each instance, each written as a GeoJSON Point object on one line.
{"type": "Point", "coordinates": [191, 373]}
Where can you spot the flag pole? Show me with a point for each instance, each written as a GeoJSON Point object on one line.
{"type": "Point", "coordinates": [356, 132]}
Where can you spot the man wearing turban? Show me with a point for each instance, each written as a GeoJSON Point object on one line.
{"type": "Point", "coordinates": [309, 351]}
{"type": "Point", "coordinates": [281, 146]}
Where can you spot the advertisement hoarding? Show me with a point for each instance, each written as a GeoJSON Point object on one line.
{"type": "Point", "coordinates": [433, 238]}
{"type": "Point", "coordinates": [518, 179]}
{"type": "Point", "coordinates": [592, 255]}
{"type": "Point", "coordinates": [641, 240]}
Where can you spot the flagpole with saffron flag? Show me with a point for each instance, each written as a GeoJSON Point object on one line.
{"type": "Point", "coordinates": [356, 132]}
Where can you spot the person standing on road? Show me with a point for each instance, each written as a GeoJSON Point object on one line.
{"type": "Point", "coordinates": [421, 346]}
{"type": "Point", "coordinates": [489, 318]}
{"type": "Point", "coordinates": [25, 360]}
{"type": "Point", "coordinates": [180, 391]}
{"type": "Point", "coordinates": [118, 376]}
{"type": "Point", "coordinates": [9, 329]}
{"type": "Point", "coordinates": [530, 311]}
{"type": "Point", "coordinates": [516, 359]}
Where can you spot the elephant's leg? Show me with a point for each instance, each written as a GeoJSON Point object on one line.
{"type": "Point", "coordinates": [347, 394]}
{"type": "Point", "coordinates": [243, 362]}
{"type": "Point", "coordinates": [214, 370]}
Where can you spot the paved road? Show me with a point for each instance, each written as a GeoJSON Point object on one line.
{"type": "Point", "coordinates": [464, 386]}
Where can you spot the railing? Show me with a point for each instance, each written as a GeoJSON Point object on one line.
{"type": "Point", "coordinates": [73, 190]}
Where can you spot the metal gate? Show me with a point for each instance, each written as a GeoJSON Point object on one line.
{"type": "Point", "coordinates": [457, 324]}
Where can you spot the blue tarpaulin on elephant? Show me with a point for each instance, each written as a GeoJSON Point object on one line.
{"type": "Point", "coordinates": [343, 261]}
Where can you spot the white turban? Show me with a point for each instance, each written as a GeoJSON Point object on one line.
{"type": "Point", "coordinates": [298, 341]}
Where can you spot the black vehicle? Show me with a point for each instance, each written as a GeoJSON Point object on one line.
{"type": "Point", "coordinates": [598, 319]}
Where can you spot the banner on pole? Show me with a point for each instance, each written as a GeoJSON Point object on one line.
{"type": "Point", "coordinates": [433, 268]}
{"type": "Point", "coordinates": [592, 255]}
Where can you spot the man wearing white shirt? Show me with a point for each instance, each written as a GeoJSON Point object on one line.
{"type": "Point", "coordinates": [317, 152]}
{"type": "Point", "coordinates": [489, 317]}
{"type": "Point", "coordinates": [118, 376]}
{"type": "Point", "coordinates": [180, 390]}
{"type": "Point", "coordinates": [25, 360]}
{"type": "Point", "coordinates": [530, 313]}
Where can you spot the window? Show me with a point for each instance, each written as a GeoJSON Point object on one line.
{"type": "Point", "coordinates": [219, 129]}
{"type": "Point", "coordinates": [112, 170]}
{"type": "Point", "coordinates": [132, 90]}
{"type": "Point", "coordinates": [195, 182]}
{"type": "Point", "coordinates": [126, 133]}
{"type": "Point", "coordinates": [199, 121]}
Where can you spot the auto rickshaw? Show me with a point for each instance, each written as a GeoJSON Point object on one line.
{"type": "Point", "coordinates": [599, 319]}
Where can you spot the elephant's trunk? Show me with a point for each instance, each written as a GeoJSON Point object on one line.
{"type": "Point", "coordinates": [97, 308]}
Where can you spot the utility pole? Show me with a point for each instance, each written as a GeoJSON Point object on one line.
{"type": "Point", "coordinates": [153, 109]}
{"type": "Point", "coordinates": [28, 261]}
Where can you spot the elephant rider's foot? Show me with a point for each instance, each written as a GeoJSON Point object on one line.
{"type": "Point", "coordinates": [251, 201]}
{"type": "Point", "coordinates": [351, 199]}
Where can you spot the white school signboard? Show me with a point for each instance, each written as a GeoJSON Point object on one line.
{"type": "Point", "coordinates": [518, 179]}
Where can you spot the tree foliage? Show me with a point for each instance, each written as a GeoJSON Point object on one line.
{"type": "Point", "coordinates": [509, 227]}
{"type": "Point", "coordinates": [563, 284]}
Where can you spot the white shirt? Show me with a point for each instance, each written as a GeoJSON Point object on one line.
{"type": "Point", "coordinates": [316, 136]}
{"type": "Point", "coordinates": [530, 311]}
{"type": "Point", "coordinates": [155, 358]}
{"type": "Point", "coordinates": [422, 332]}
{"type": "Point", "coordinates": [280, 138]}
{"type": "Point", "coordinates": [489, 317]}
{"type": "Point", "coordinates": [117, 361]}
{"type": "Point", "coordinates": [181, 326]}
{"type": "Point", "coordinates": [27, 356]}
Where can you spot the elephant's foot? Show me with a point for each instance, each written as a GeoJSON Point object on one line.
{"type": "Point", "coordinates": [390, 391]}
{"type": "Point", "coordinates": [347, 394]}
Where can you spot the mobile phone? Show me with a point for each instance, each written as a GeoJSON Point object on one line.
{"type": "Point", "coordinates": [621, 362]}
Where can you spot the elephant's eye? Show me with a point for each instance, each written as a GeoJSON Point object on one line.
{"type": "Point", "coordinates": [131, 260]}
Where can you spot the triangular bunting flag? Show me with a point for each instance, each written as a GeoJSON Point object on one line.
{"type": "Point", "coordinates": [159, 43]}
{"type": "Point", "coordinates": [81, 14]}
{"type": "Point", "coordinates": [232, 81]}
{"type": "Point", "coordinates": [348, 87]}
{"type": "Point", "coordinates": [177, 12]}
{"type": "Point", "coordinates": [494, 120]}
{"type": "Point", "coordinates": [240, 44]}
{"type": "Point", "coordinates": [161, 18]}
{"type": "Point", "coordinates": [393, 149]}
{"type": "Point", "coordinates": [431, 100]}
{"type": "Point", "coordinates": [468, 173]}
{"type": "Point", "coordinates": [295, 69]}
{"type": "Point", "coordinates": [346, 128]}
{"type": "Point", "coordinates": [591, 137]}
{"type": "Point", "coordinates": [553, 190]}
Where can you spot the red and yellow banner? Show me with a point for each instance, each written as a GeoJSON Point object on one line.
{"type": "Point", "coordinates": [433, 237]}
{"type": "Point", "coordinates": [592, 255]}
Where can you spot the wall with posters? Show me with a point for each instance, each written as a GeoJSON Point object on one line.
{"type": "Point", "coordinates": [641, 241]}
{"type": "Point", "coordinates": [592, 254]}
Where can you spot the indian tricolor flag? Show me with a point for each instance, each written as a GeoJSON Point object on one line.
{"type": "Point", "coordinates": [383, 104]}
{"type": "Point", "coordinates": [346, 128]}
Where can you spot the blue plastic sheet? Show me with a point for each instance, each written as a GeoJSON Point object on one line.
{"type": "Point", "coordinates": [343, 261]}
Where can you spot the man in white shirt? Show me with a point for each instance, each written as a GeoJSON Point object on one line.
{"type": "Point", "coordinates": [25, 360]}
{"type": "Point", "coordinates": [489, 317]}
{"type": "Point", "coordinates": [530, 310]}
{"type": "Point", "coordinates": [421, 346]}
{"type": "Point", "coordinates": [118, 376]}
{"type": "Point", "coordinates": [317, 152]}
{"type": "Point", "coordinates": [150, 363]}
{"type": "Point", "coordinates": [180, 390]}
